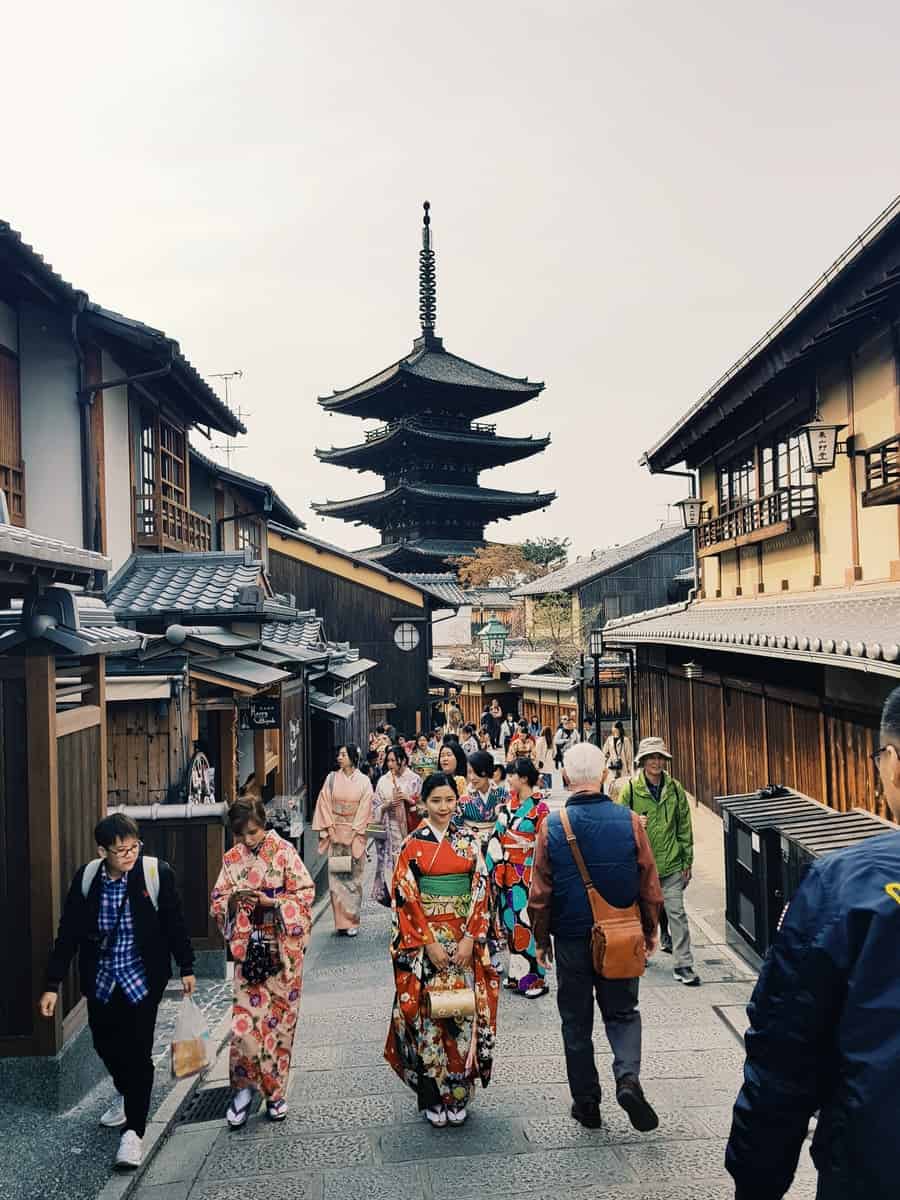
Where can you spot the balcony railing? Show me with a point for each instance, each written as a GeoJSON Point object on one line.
{"type": "Point", "coordinates": [164, 524]}
{"type": "Point", "coordinates": [768, 517]}
{"type": "Point", "coordinates": [451, 424]}
{"type": "Point", "coordinates": [882, 473]}
{"type": "Point", "coordinates": [12, 481]}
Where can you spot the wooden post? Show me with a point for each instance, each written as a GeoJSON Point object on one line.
{"type": "Point", "coordinates": [94, 675]}
{"type": "Point", "coordinates": [259, 757]}
{"type": "Point", "coordinates": [227, 785]}
{"type": "Point", "coordinates": [43, 831]}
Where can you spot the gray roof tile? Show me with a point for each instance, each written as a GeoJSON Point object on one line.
{"type": "Point", "coordinates": [576, 573]}
{"type": "Point", "coordinates": [157, 583]}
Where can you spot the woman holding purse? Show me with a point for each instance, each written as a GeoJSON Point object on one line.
{"type": "Point", "coordinates": [442, 1032]}
{"type": "Point", "coordinates": [395, 808]}
{"type": "Point", "coordinates": [343, 810]}
{"type": "Point", "coordinates": [262, 902]}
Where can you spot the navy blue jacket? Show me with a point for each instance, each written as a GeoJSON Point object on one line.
{"type": "Point", "coordinates": [605, 836]}
{"type": "Point", "coordinates": [825, 1035]}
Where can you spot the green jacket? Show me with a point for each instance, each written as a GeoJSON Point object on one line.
{"type": "Point", "coordinates": [669, 829]}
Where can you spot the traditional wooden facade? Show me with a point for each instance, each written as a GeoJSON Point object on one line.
{"type": "Point", "coordinates": [431, 447]}
{"type": "Point", "coordinates": [777, 672]}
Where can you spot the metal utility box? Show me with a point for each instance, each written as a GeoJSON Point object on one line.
{"type": "Point", "coordinates": [799, 848]}
{"type": "Point", "coordinates": [754, 886]}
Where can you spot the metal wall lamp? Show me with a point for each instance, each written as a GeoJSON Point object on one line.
{"type": "Point", "coordinates": [819, 445]}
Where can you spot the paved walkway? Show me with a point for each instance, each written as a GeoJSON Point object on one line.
{"type": "Point", "coordinates": [353, 1132]}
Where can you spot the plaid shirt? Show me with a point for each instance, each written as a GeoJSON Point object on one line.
{"type": "Point", "coordinates": [121, 964]}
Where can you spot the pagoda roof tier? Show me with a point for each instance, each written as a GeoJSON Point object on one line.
{"type": "Point", "coordinates": [490, 503]}
{"type": "Point", "coordinates": [417, 553]}
{"type": "Point", "coordinates": [478, 444]}
{"type": "Point", "coordinates": [431, 379]}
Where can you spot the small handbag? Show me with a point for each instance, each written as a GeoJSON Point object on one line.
{"type": "Point", "coordinates": [258, 962]}
{"type": "Point", "coordinates": [618, 949]}
{"type": "Point", "coordinates": [340, 864]}
{"type": "Point", "coordinates": [444, 1001]}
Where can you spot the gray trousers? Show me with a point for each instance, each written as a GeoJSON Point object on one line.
{"type": "Point", "coordinates": [673, 894]}
{"type": "Point", "coordinates": [576, 988]}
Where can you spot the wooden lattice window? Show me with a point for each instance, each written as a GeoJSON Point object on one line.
{"type": "Point", "coordinates": [249, 535]}
{"type": "Point", "coordinates": [12, 470]}
{"type": "Point", "coordinates": [172, 467]}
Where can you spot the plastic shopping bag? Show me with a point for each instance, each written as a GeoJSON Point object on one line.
{"type": "Point", "coordinates": [190, 1046]}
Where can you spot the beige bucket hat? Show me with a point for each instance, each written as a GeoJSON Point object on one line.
{"type": "Point", "coordinates": [651, 745]}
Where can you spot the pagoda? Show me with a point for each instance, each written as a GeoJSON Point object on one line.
{"type": "Point", "coordinates": [431, 447]}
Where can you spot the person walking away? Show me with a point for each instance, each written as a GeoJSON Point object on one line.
{"type": "Point", "coordinates": [543, 756]}
{"type": "Point", "coordinates": [395, 807]}
{"type": "Point", "coordinates": [510, 858]}
{"type": "Point", "coordinates": [438, 935]}
{"type": "Point", "coordinates": [454, 715]}
{"type": "Point", "coordinates": [521, 744]}
{"type": "Point", "coordinates": [662, 804]}
{"type": "Point", "coordinates": [619, 755]}
{"type": "Point", "coordinates": [534, 725]}
{"type": "Point", "coordinates": [262, 898]}
{"type": "Point", "coordinates": [565, 738]}
{"type": "Point", "coordinates": [123, 918]}
{"type": "Point", "coordinates": [343, 811]}
{"type": "Point", "coordinates": [824, 1016]}
{"type": "Point", "coordinates": [494, 720]}
{"type": "Point", "coordinates": [507, 730]}
{"type": "Point", "coordinates": [620, 862]}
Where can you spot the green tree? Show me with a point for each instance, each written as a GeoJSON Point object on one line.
{"type": "Point", "coordinates": [546, 552]}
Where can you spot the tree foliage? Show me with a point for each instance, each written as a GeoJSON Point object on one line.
{"type": "Point", "coordinates": [547, 552]}
{"type": "Point", "coordinates": [497, 563]}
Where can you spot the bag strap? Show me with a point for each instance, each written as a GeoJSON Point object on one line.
{"type": "Point", "coordinates": [600, 908]}
{"type": "Point", "coordinates": [631, 794]}
{"type": "Point", "coordinates": [151, 878]}
{"type": "Point", "coordinates": [89, 875]}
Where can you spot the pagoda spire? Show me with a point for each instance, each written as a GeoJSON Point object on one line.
{"type": "Point", "coordinates": [427, 280]}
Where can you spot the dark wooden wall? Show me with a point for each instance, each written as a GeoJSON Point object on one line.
{"type": "Point", "coordinates": [145, 751]}
{"type": "Point", "coordinates": [193, 849]}
{"type": "Point", "coordinates": [645, 583]}
{"type": "Point", "coordinates": [731, 734]}
{"type": "Point", "coordinates": [363, 617]}
{"type": "Point", "coordinates": [17, 993]}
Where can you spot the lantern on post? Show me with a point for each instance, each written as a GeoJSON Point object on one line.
{"type": "Point", "coordinates": [595, 649]}
{"type": "Point", "coordinates": [691, 511]}
{"type": "Point", "coordinates": [818, 444]}
{"type": "Point", "coordinates": [493, 639]}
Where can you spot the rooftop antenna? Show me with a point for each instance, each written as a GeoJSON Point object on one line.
{"type": "Point", "coordinates": [229, 446]}
{"type": "Point", "coordinates": [427, 279]}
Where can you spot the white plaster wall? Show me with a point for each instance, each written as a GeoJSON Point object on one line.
{"type": "Point", "coordinates": [51, 437]}
{"type": "Point", "coordinates": [9, 327]}
{"type": "Point", "coordinates": [118, 465]}
{"type": "Point", "coordinates": [453, 631]}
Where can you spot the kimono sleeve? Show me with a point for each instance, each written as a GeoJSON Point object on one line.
{"type": "Point", "coordinates": [411, 924]}
{"type": "Point", "coordinates": [495, 853]}
{"type": "Point", "coordinates": [295, 905]}
{"type": "Point", "coordinates": [478, 918]}
{"type": "Point", "coordinates": [219, 898]}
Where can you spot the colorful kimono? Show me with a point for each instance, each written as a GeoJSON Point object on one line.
{"type": "Point", "coordinates": [343, 810]}
{"type": "Point", "coordinates": [510, 858]}
{"type": "Point", "coordinates": [440, 894]}
{"type": "Point", "coordinates": [423, 762]}
{"type": "Point", "coordinates": [396, 826]}
{"type": "Point", "coordinates": [264, 1015]}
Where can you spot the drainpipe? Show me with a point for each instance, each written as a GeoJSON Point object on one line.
{"type": "Point", "coordinates": [691, 477]}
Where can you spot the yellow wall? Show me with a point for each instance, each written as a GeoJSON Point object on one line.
{"type": "Point", "coordinates": [332, 560]}
{"type": "Point", "coordinates": [875, 412]}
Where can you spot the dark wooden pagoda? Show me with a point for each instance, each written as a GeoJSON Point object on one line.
{"type": "Point", "coordinates": [431, 446]}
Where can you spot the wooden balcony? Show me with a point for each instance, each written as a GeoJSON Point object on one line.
{"type": "Point", "coordinates": [882, 473]}
{"type": "Point", "coordinates": [450, 424]}
{"type": "Point", "coordinates": [164, 524]}
{"type": "Point", "coordinates": [12, 482]}
{"type": "Point", "coordinates": [757, 521]}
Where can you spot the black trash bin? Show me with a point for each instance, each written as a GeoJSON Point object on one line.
{"type": "Point", "coordinates": [754, 884]}
{"type": "Point", "coordinates": [800, 848]}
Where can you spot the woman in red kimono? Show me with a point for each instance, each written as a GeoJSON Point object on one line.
{"type": "Point", "coordinates": [440, 925]}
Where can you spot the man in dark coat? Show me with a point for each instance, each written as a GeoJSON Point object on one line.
{"type": "Point", "coordinates": [825, 1023]}
{"type": "Point", "coordinates": [124, 920]}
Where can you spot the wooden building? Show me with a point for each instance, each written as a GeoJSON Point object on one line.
{"type": "Point", "coordinates": [777, 671]}
{"type": "Point", "coordinates": [387, 617]}
{"type": "Point", "coordinates": [566, 604]}
{"type": "Point", "coordinates": [431, 446]}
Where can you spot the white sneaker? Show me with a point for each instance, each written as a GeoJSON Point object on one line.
{"type": "Point", "coordinates": [115, 1114]}
{"type": "Point", "coordinates": [436, 1117]}
{"type": "Point", "coordinates": [456, 1116]}
{"type": "Point", "coordinates": [130, 1151]}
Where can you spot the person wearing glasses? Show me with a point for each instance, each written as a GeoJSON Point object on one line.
{"type": "Point", "coordinates": [124, 920]}
{"type": "Point", "coordinates": [824, 1030]}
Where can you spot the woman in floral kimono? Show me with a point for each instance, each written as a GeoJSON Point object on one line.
{"type": "Point", "coordinates": [263, 893]}
{"type": "Point", "coordinates": [440, 922]}
{"type": "Point", "coordinates": [423, 759]}
{"type": "Point", "coordinates": [343, 810]}
{"type": "Point", "coordinates": [510, 858]}
{"type": "Point", "coordinates": [396, 809]}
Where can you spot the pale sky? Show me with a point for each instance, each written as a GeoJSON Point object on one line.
{"type": "Point", "coordinates": [624, 196]}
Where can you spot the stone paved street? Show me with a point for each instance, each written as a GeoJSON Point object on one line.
{"type": "Point", "coordinates": [353, 1132]}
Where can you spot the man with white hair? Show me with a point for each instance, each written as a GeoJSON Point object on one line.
{"type": "Point", "coordinates": [620, 862]}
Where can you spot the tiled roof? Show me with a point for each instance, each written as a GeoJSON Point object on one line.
{"type": "Point", "coordinates": [490, 598]}
{"type": "Point", "coordinates": [25, 546]}
{"type": "Point", "coordinates": [184, 583]}
{"type": "Point", "coordinates": [577, 573]}
{"type": "Point", "coordinates": [280, 511]}
{"type": "Point", "coordinates": [96, 631]}
{"type": "Point", "coordinates": [853, 628]}
{"type": "Point", "coordinates": [305, 632]}
{"type": "Point", "coordinates": [485, 448]}
{"type": "Point", "coordinates": [442, 584]}
{"type": "Point", "coordinates": [426, 547]}
{"type": "Point", "coordinates": [454, 493]}
{"type": "Point", "coordinates": [553, 683]}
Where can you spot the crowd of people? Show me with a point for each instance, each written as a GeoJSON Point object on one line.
{"type": "Point", "coordinates": [484, 879]}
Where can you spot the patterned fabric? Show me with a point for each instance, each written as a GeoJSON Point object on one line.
{"type": "Point", "coordinates": [473, 806]}
{"type": "Point", "coordinates": [396, 825]}
{"type": "Point", "coordinates": [264, 1016]}
{"type": "Point", "coordinates": [440, 1060]}
{"type": "Point", "coordinates": [343, 812]}
{"type": "Point", "coordinates": [122, 964]}
{"type": "Point", "coordinates": [510, 858]}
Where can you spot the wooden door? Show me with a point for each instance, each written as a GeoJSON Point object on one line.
{"type": "Point", "coordinates": [12, 475]}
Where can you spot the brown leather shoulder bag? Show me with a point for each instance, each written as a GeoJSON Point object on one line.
{"type": "Point", "coordinates": [617, 937]}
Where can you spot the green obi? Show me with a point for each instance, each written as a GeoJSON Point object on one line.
{"type": "Point", "coordinates": [445, 885]}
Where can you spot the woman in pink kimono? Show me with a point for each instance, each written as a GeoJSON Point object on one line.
{"type": "Point", "coordinates": [395, 809]}
{"type": "Point", "coordinates": [262, 902]}
{"type": "Point", "coordinates": [343, 810]}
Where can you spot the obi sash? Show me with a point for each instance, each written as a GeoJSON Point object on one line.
{"type": "Point", "coordinates": [445, 885]}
